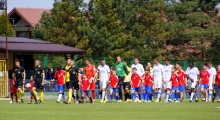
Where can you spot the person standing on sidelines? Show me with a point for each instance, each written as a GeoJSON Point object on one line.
{"type": "Point", "coordinates": [90, 72]}
{"type": "Point", "coordinates": [104, 74]}
{"type": "Point", "coordinates": [158, 71]}
{"type": "Point", "coordinates": [192, 73]}
{"type": "Point", "coordinates": [39, 81]}
{"type": "Point", "coordinates": [121, 70]}
{"type": "Point", "coordinates": [212, 72]}
{"type": "Point", "coordinates": [167, 80]}
{"type": "Point", "coordinates": [140, 72]}
{"type": "Point", "coordinates": [20, 75]}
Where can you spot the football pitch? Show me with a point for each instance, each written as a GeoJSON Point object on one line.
{"type": "Point", "coordinates": [51, 110]}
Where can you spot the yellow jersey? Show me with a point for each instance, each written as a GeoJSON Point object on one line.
{"type": "Point", "coordinates": [128, 77]}
{"type": "Point", "coordinates": [67, 74]}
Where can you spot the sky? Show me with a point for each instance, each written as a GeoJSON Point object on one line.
{"type": "Point", "coordinates": [31, 4]}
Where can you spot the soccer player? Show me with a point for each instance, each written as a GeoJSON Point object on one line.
{"type": "Point", "coordinates": [140, 72]}
{"type": "Point", "coordinates": [59, 75]}
{"type": "Point", "coordinates": [20, 79]}
{"type": "Point", "coordinates": [218, 82]}
{"type": "Point", "coordinates": [90, 72]}
{"type": "Point", "coordinates": [74, 81]}
{"type": "Point", "coordinates": [121, 70]}
{"type": "Point", "coordinates": [31, 91]}
{"type": "Point", "coordinates": [167, 77]}
{"type": "Point", "coordinates": [113, 86]}
{"type": "Point", "coordinates": [175, 84]}
{"type": "Point", "coordinates": [39, 82]}
{"type": "Point", "coordinates": [212, 72]}
{"type": "Point", "coordinates": [13, 89]}
{"type": "Point", "coordinates": [85, 83]}
{"type": "Point", "coordinates": [182, 80]}
{"type": "Point", "coordinates": [126, 84]}
{"type": "Point", "coordinates": [158, 71]}
{"type": "Point", "coordinates": [135, 83]}
{"type": "Point", "coordinates": [148, 81]}
{"type": "Point", "coordinates": [67, 75]}
{"type": "Point", "coordinates": [104, 75]}
{"type": "Point", "coordinates": [204, 75]}
{"type": "Point", "coordinates": [193, 76]}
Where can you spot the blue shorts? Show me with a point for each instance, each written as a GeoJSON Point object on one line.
{"type": "Point", "coordinates": [174, 88]}
{"type": "Point", "coordinates": [115, 90]}
{"type": "Point", "coordinates": [60, 87]}
{"type": "Point", "coordinates": [31, 94]}
{"type": "Point", "coordinates": [136, 89]}
{"type": "Point", "coordinates": [205, 86]}
{"type": "Point", "coordinates": [148, 88]}
{"type": "Point", "coordinates": [219, 87]}
{"type": "Point", "coordinates": [181, 88]}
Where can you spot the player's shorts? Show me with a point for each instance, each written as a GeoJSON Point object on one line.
{"type": "Point", "coordinates": [210, 85]}
{"type": "Point", "coordinates": [60, 88]}
{"type": "Point", "coordinates": [181, 88]}
{"type": "Point", "coordinates": [67, 85]}
{"type": "Point", "coordinates": [13, 92]}
{"type": "Point", "coordinates": [102, 84]}
{"type": "Point", "coordinates": [115, 90]}
{"type": "Point", "coordinates": [135, 89]}
{"type": "Point", "coordinates": [168, 85]}
{"type": "Point", "coordinates": [38, 83]}
{"type": "Point", "coordinates": [158, 84]}
{"type": "Point", "coordinates": [74, 84]}
{"type": "Point", "coordinates": [19, 83]}
{"type": "Point", "coordinates": [32, 94]}
{"type": "Point", "coordinates": [174, 88]}
{"type": "Point", "coordinates": [121, 79]}
{"type": "Point", "coordinates": [126, 85]}
{"type": "Point", "coordinates": [218, 87]}
{"type": "Point", "coordinates": [204, 86]}
{"type": "Point", "coordinates": [192, 84]}
{"type": "Point", "coordinates": [148, 88]}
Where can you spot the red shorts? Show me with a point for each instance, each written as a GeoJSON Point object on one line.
{"type": "Point", "coordinates": [92, 86]}
{"type": "Point", "coordinates": [14, 91]}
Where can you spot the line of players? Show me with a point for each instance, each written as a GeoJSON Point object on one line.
{"type": "Point", "coordinates": [133, 82]}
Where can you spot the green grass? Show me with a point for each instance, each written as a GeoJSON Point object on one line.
{"type": "Point", "coordinates": [50, 110]}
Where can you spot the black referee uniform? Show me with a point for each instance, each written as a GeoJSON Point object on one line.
{"type": "Point", "coordinates": [74, 72]}
{"type": "Point", "coordinates": [19, 71]}
{"type": "Point", "coordinates": [39, 71]}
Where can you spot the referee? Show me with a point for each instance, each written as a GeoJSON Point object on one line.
{"type": "Point", "coordinates": [74, 81]}
{"type": "Point", "coordinates": [20, 75]}
{"type": "Point", "coordinates": [39, 82]}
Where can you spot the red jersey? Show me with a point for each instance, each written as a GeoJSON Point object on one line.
{"type": "Point", "coordinates": [174, 79]}
{"type": "Point", "coordinates": [135, 79]}
{"type": "Point", "coordinates": [114, 81]}
{"type": "Point", "coordinates": [181, 78]}
{"type": "Point", "coordinates": [31, 85]}
{"type": "Point", "coordinates": [205, 76]}
{"type": "Point", "coordinates": [148, 79]}
{"type": "Point", "coordinates": [90, 71]}
{"type": "Point", "coordinates": [13, 88]}
{"type": "Point", "coordinates": [218, 78]}
{"type": "Point", "coordinates": [59, 75]}
{"type": "Point", "coordinates": [85, 85]}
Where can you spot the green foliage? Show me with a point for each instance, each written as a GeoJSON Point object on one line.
{"type": "Point", "coordinates": [3, 27]}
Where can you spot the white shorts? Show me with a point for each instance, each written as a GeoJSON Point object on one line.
{"type": "Point", "coordinates": [210, 85]}
{"type": "Point", "coordinates": [192, 84]}
{"type": "Point", "coordinates": [168, 85]}
{"type": "Point", "coordinates": [102, 84]}
{"type": "Point", "coordinates": [158, 84]}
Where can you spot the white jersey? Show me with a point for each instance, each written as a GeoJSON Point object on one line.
{"type": "Point", "coordinates": [140, 69]}
{"type": "Point", "coordinates": [103, 70]}
{"type": "Point", "coordinates": [193, 73]}
{"type": "Point", "coordinates": [158, 72]}
{"type": "Point", "coordinates": [212, 72]}
{"type": "Point", "coordinates": [168, 73]}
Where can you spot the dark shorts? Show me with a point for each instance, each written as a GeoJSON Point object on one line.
{"type": "Point", "coordinates": [74, 84]}
{"type": "Point", "coordinates": [121, 80]}
{"type": "Point", "coordinates": [19, 83]}
{"type": "Point", "coordinates": [38, 83]}
{"type": "Point", "coordinates": [67, 85]}
{"type": "Point", "coordinates": [127, 85]}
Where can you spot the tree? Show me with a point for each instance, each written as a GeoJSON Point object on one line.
{"type": "Point", "coordinates": [3, 27]}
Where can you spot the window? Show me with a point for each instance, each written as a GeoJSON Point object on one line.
{"type": "Point", "coordinates": [24, 34]}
